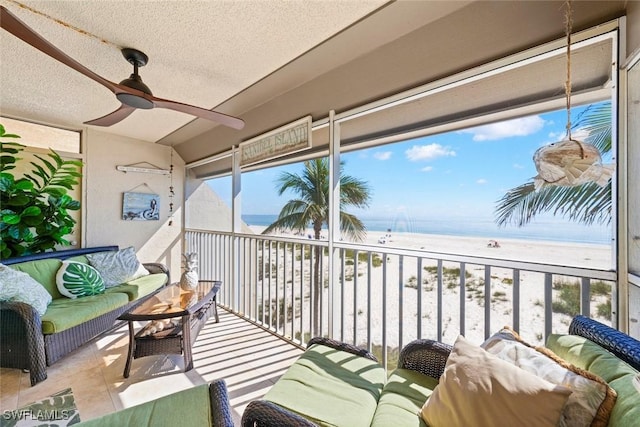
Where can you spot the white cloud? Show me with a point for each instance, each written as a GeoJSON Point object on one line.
{"type": "Point", "coordinates": [428, 152]}
{"type": "Point", "coordinates": [427, 169]}
{"type": "Point", "coordinates": [518, 166]}
{"type": "Point", "coordinates": [382, 155]}
{"type": "Point", "coordinates": [580, 134]}
{"type": "Point", "coordinates": [481, 181]}
{"type": "Point", "coordinates": [556, 135]}
{"type": "Point", "coordinates": [516, 127]}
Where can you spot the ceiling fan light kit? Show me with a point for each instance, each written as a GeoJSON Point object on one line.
{"type": "Point", "coordinates": [131, 92]}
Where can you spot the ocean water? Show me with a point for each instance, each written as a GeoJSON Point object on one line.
{"type": "Point", "coordinates": [541, 230]}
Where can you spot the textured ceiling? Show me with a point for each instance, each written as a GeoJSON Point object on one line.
{"type": "Point", "coordinates": [201, 53]}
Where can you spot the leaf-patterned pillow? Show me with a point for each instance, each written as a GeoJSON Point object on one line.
{"type": "Point", "coordinates": [57, 410]}
{"type": "Point", "coordinates": [76, 279]}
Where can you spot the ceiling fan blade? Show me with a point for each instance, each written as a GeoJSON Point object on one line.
{"type": "Point", "coordinates": [232, 122]}
{"type": "Point", "coordinates": [12, 24]}
{"type": "Point", "coordinates": [113, 117]}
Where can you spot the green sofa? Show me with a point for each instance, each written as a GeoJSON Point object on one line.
{"type": "Point", "coordinates": [33, 342]}
{"type": "Point", "coordinates": [200, 406]}
{"type": "Point", "coordinates": [336, 384]}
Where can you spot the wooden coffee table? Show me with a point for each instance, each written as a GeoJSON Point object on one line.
{"type": "Point", "coordinates": [188, 312]}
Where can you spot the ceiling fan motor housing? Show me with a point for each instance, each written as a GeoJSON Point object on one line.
{"type": "Point", "coordinates": [137, 59]}
{"type": "Point", "coordinates": [135, 82]}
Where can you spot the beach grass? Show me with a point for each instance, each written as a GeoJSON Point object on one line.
{"type": "Point", "coordinates": [412, 269]}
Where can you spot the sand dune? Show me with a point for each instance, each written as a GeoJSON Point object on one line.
{"type": "Point", "coordinates": [398, 311]}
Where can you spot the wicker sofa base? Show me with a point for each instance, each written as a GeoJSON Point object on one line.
{"type": "Point", "coordinates": [22, 340]}
{"type": "Point", "coordinates": [22, 344]}
{"type": "Point", "coordinates": [59, 344]}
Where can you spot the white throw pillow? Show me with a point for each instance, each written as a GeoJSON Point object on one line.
{"type": "Point", "coordinates": [20, 287]}
{"type": "Point", "coordinates": [117, 267]}
{"type": "Point", "coordinates": [592, 400]}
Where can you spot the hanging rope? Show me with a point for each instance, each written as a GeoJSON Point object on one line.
{"type": "Point", "coordinates": [171, 192]}
{"type": "Point", "coordinates": [567, 85]}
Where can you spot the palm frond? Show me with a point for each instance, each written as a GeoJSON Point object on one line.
{"type": "Point", "coordinates": [352, 227]}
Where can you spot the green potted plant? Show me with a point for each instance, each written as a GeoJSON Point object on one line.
{"type": "Point", "coordinates": [34, 209]}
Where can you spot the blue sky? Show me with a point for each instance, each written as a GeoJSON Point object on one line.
{"type": "Point", "coordinates": [458, 174]}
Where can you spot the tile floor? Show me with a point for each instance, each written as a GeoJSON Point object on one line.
{"type": "Point", "coordinates": [248, 358]}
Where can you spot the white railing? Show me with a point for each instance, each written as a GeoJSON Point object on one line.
{"type": "Point", "coordinates": [381, 298]}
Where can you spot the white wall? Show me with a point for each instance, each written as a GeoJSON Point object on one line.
{"type": "Point", "coordinates": [633, 27]}
{"type": "Point", "coordinates": [155, 241]}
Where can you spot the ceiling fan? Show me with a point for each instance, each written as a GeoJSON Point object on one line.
{"type": "Point", "coordinates": [131, 92]}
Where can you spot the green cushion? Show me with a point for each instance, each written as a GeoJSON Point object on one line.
{"type": "Point", "coordinates": [402, 398]}
{"type": "Point", "coordinates": [188, 407]}
{"type": "Point", "coordinates": [64, 313]}
{"type": "Point", "coordinates": [330, 387]}
{"type": "Point", "coordinates": [44, 271]}
{"type": "Point", "coordinates": [79, 258]}
{"type": "Point", "coordinates": [590, 356]}
{"type": "Point", "coordinates": [141, 286]}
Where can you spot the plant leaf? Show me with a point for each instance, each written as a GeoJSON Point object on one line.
{"type": "Point", "coordinates": [48, 164]}
{"type": "Point", "coordinates": [32, 211]}
{"type": "Point", "coordinates": [11, 219]}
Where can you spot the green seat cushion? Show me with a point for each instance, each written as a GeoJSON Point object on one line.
{"type": "Point", "coordinates": [44, 272]}
{"type": "Point", "coordinates": [79, 258]}
{"type": "Point", "coordinates": [402, 399]}
{"type": "Point", "coordinates": [330, 387]}
{"type": "Point", "coordinates": [190, 407]}
{"type": "Point", "coordinates": [141, 286]}
{"type": "Point", "coordinates": [590, 356]}
{"type": "Point", "coordinates": [64, 313]}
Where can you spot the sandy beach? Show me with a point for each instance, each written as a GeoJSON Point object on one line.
{"type": "Point", "coordinates": [399, 308]}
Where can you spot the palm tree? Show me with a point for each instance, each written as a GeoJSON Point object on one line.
{"type": "Point", "coordinates": [588, 203]}
{"type": "Point", "coordinates": [311, 208]}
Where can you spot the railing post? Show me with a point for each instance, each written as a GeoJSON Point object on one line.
{"type": "Point", "coordinates": [516, 300]}
{"type": "Point", "coordinates": [487, 301]}
{"type": "Point", "coordinates": [419, 325]}
{"type": "Point", "coordinates": [463, 298]}
{"type": "Point", "coordinates": [439, 296]}
{"type": "Point", "coordinates": [548, 304]}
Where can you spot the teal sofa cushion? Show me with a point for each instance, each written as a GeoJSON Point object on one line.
{"type": "Point", "coordinates": [590, 356]}
{"type": "Point", "coordinates": [330, 387]}
{"type": "Point", "coordinates": [140, 287]}
{"type": "Point", "coordinates": [402, 399]}
{"type": "Point", "coordinates": [190, 407]}
{"type": "Point", "coordinates": [44, 272]}
{"type": "Point", "coordinates": [64, 313]}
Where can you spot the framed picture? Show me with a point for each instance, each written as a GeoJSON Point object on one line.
{"type": "Point", "coordinates": [140, 207]}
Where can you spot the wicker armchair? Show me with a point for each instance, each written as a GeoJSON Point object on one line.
{"type": "Point", "coordinates": [622, 345]}
{"type": "Point", "coordinates": [425, 356]}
